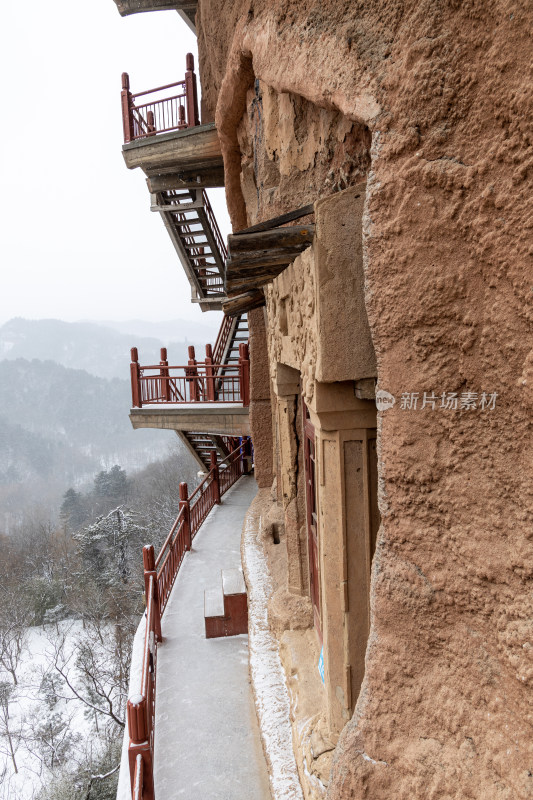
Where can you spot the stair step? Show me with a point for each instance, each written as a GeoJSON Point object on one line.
{"type": "Point", "coordinates": [233, 581]}
{"type": "Point", "coordinates": [213, 603]}
{"type": "Point", "coordinates": [226, 611]}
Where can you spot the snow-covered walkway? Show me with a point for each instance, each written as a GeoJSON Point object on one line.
{"type": "Point", "coordinates": [207, 744]}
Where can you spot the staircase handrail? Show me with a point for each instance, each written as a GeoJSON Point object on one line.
{"type": "Point", "coordinates": [221, 244]}
{"type": "Point", "coordinates": [222, 339]}
{"type": "Point", "coordinates": [159, 576]}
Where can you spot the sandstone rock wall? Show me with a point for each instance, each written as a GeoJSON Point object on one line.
{"type": "Point", "coordinates": [444, 91]}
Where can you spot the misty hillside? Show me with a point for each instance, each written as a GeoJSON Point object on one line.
{"type": "Point", "coordinates": [26, 455]}
{"type": "Point", "coordinates": [67, 404]}
{"type": "Point", "coordinates": [174, 330]}
{"type": "Point", "coordinates": [58, 426]}
{"type": "Point", "coordinates": [100, 350]}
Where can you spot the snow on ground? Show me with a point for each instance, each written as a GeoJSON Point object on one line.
{"type": "Point", "coordinates": [124, 785]}
{"type": "Point", "coordinates": [28, 711]}
{"type": "Point", "coordinates": [268, 677]}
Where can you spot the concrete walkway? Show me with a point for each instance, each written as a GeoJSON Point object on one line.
{"type": "Point", "coordinates": [207, 744]}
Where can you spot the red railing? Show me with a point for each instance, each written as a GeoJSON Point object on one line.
{"type": "Point", "coordinates": [159, 576]}
{"type": "Point", "coordinates": [222, 339]}
{"type": "Point", "coordinates": [221, 244]}
{"type": "Point", "coordinates": [195, 382]}
{"type": "Point", "coordinates": [160, 114]}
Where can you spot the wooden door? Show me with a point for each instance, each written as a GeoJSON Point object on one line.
{"type": "Point", "coordinates": [312, 515]}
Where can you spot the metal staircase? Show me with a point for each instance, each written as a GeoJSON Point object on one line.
{"type": "Point", "coordinates": [202, 444]}
{"type": "Point", "coordinates": [193, 229]}
{"type": "Point", "coordinates": [233, 331]}
{"type": "Point", "coordinates": [239, 333]}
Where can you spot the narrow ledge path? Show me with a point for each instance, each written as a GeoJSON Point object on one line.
{"type": "Point", "coordinates": [207, 741]}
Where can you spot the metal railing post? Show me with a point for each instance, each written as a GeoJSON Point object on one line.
{"type": "Point", "coordinates": [127, 114]}
{"type": "Point", "coordinates": [150, 572]}
{"type": "Point", "coordinates": [150, 124]}
{"type": "Point", "coordinates": [139, 745]}
{"type": "Point", "coordinates": [192, 375]}
{"type": "Point", "coordinates": [184, 503]}
{"type": "Point", "coordinates": [135, 373]}
{"type": "Point", "coordinates": [216, 477]}
{"type": "Point", "coordinates": [244, 373]}
{"type": "Point", "coordinates": [163, 372]}
{"type": "Point", "coordinates": [193, 118]}
{"type": "Point", "coordinates": [209, 373]}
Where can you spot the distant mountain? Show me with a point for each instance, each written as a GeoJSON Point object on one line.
{"type": "Point", "coordinates": [58, 426]}
{"type": "Point", "coordinates": [101, 350]}
{"type": "Point", "coordinates": [175, 330]}
{"type": "Point", "coordinates": [67, 404]}
{"type": "Point", "coordinates": [25, 455]}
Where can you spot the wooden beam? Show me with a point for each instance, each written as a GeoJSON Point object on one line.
{"type": "Point", "coordinates": [187, 179]}
{"type": "Point", "coordinates": [243, 303]}
{"type": "Point", "coordinates": [189, 149]}
{"type": "Point", "coordinates": [259, 273]}
{"type": "Point", "coordinates": [127, 7]}
{"type": "Point", "coordinates": [263, 258]}
{"type": "Point", "coordinates": [276, 221]}
{"type": "Point", "coordinates": [238, 287]}
{"type": "Point", "coordinates": [265, 240]}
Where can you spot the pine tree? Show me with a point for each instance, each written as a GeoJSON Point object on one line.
{"type": "Point", "coordinates": [72, 512]}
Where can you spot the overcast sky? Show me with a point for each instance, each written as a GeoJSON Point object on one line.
{"type": "Point", "coordinates": [77, 236]}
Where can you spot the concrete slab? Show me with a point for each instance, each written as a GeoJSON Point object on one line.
{"type": "Point", "coordinates": [207, 741]}
{"type": "Point", "coordinates": [221, 418]}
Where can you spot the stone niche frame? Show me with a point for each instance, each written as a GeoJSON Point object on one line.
{"type": "Point", "coordinates": [291, 486]}
{"type": "Point", "coordinates": [345, 431]}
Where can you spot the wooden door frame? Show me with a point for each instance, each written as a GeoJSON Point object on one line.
{"type": "Point", "coordinates": [311, 506]}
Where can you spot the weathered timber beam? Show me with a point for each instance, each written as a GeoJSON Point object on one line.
{"type": "Point", "coordinates": [264, 240]}
{"type": "Point", "coordinates": [263, 258]}
{"type": "Point", "coordinates": [190, 149]}
{"type": "Point", "coordinates": [252, 278]}
{"type": "Point", "coordinates": [276, 221]}
{"type": "Point", "coordinates": [243, 303]}
{"type": "Point", "coordinates": [187, 179]}
{"type": "Point", "coordinates": [250, 273]}
{"type": "Point", "coordinates": [127, 7]}
{"type": "Point", "coordinates": [238, 287]}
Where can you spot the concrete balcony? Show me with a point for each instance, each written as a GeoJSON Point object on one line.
{"type": "Point", "coordinates": [199, 396]}
{"type": "Point", "coordinates": [163, 135]}
{"type": "Point", "coordinates": [224, 419]}
{"type": "Point", "coordinates": [185, 8]}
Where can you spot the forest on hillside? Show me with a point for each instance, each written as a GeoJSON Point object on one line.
{"type": "Point", "coordinates": [80, 493]}
{"type": "Point", "coordinates": [65, 395]}
{"type": "Point", "coordinates": [70, 602]}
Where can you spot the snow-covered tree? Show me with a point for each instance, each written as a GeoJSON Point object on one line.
{"type": "Point", "coordinates": [10, 733]}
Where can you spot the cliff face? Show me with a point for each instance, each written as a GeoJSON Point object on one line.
{"type": "Point", "coordinates": [429, 101]}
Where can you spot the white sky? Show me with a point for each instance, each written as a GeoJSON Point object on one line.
{"type": "Point", "coordinates": [77, 238]}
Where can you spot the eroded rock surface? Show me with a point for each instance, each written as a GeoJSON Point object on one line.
{"type": "Point", "coordinates": [431, 103]}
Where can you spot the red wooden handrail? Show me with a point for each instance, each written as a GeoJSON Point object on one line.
{"type": "Point", "coordinates": [222, 339]}
{"type": "Point", "coordinates": [190, 383]}
{"type": "Point", "coordinates": [160, 115]}
{"type": "Point", "coordinates": [159, 576]}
